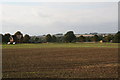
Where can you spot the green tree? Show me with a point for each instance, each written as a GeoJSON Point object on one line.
{"type": "Point", "coordinates": [36, 39]}
{"type": "Point", "coordinates": [1, 38]}
{"type": "Point", "coordinates": [32, 40]}
{"type": "Point", "coordinates": [88, 39]}
{"type": "Point", "coordinates": [26, 38]}
{"type": "Point", "coordinates": [19, 37]}
{"type": "Point", "coordinates": [82, 39]}
{"type": "Point", "coordinates": [108, 38]}
{"type": "Point", "coordinates": [96, 38]}
{"type": "Point", "coordinates": [42, 39]}
{"type": "Point", "coordinates": [6, 38]}
{"type": "Point", "coordinates": [54, 38]}
{"type": "Point", "coordinates": [48, 38]}
{"type": "Point", "coordinates": [117, 37]}
{"type": "Point", "coordinates": [60, 39]}
{"type": "Point", "coordinates": [69, 37]}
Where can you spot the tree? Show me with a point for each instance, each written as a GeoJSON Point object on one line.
{"type": "Point", "coordinates": [42, 39]}
{"type": "Point", "coordinates": [117, 37]}
{"type": "Point", "coordinates": [54, 39]}
{"type": "Point", "coordinates": [60, 39]}
{"type": "Point", "coordinates": [69, 37]}
{"type": "Point", "coordinates": [101, 37]}
{"type": "Point", "coordinates": [36, 39]}
{"type": "Point", "coordinates": [32, 40]}
{"type": "Point", "coordinates": [96, 38]}
{"type": "Point", "coordinates": [48, 38]}
{"type": "Point", "coordinates": [1, 38]}
{"type": "Point", "coordinates": [82, 39]}
{"type": "Point", "coordinates": [26, 38]}
{"type": "Point", "coordinates": [108, 38]}
{"type": "Point", "coordinates": [88, 39]}
{"type": "Point", "coordinates": [19, 37]}
{"type": "Point", "coordinates": [6, 38]}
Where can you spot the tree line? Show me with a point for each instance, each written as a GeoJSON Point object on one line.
{"type": "Point", "coordinates": [69, 37]}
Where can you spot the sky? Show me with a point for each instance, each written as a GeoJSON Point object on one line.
{"type": "Point", "coordinates": [59, 0]}
{"type": "Point", "coordinates": [38, 18]}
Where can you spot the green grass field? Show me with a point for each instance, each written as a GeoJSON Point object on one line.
{"type": "Point", "coordinates": [62, 45]}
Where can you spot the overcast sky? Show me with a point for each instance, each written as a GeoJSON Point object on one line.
{"type": "Point", "coordinates": [37, 18]}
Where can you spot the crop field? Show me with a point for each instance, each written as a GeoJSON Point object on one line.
{"type": "Point", "coordinates": [60, 60]}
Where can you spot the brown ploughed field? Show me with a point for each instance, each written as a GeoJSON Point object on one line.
{"type": "Point", "coordinates": [60, 62]}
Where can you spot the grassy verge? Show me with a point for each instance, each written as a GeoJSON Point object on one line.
{"type": "Point", "coordinates": [61, 45]}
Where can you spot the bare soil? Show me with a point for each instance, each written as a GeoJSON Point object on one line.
{"type": "Point", "coordinates": [60, 63]}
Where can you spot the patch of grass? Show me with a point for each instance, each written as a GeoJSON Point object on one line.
{"type": "Point", "coordinates": [61, 45]}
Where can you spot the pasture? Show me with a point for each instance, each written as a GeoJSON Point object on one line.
{"type": "Point", "coordinates": [60, 60]}
{"type": "Point", "coordinates": [62, 45]}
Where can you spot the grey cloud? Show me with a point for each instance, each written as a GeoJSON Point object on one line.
{"type": "Point", "coordinates": [37, 20]}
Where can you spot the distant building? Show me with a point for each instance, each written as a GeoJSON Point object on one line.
{"type": "Point", "coordinates": [77, 35]}
{"type": "Point", "coordinates": [85, 35]}
{"type": "Point", "coordinates": [88, 35]}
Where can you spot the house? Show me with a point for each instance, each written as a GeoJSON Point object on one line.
{"type": "Point", "coordinates": [84, 35]}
